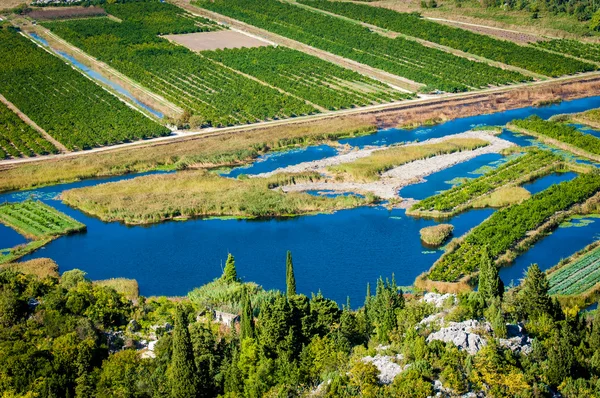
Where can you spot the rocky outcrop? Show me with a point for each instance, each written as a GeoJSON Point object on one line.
{"type": "Point", "coordinates": [438, 299]}
{"type": "Point", "coordinates": [517, 340]}
{"type": "Point", "coordinates": [463, 335]}
{"type": "Point", "coordinates": [388, 368]}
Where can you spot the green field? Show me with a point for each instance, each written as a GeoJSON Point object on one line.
{"type": "Point", "coordinates": [71, 108]}
{"type": "Point", "coordinates": [308, 77]}
{"type": "Point", "coordinates": [589, 51]}
{"type": "Point", "coordinates": [434, 68]}
{"type": "Point", "coordinates": [18, 139]}
{"type": "Point", "coordinates": [578, 276]}
{"type": "Point", "coordinates": [522, 169]}
{"type": "Point", "coordinates": [533, 59]}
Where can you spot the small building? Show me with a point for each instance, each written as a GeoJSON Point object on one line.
{"type": "Point", "coordinates": [226, 318]}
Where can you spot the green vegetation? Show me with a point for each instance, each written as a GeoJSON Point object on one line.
{"type": "Point", "coordinates": [436, 234]}
{"type": "Point", "coordinates": [308, 77]}
{"type": "Point", "coordinates": [502, 197]}
{"type": "Point", "coordinates": [127, 287]}
{"type": "Point", "coordinates": [37, 221]}
{"type": "Point", "coordinates": [18, 139]}
{"type": "Point", "coordinates": [290, 279]}
{"type": "Point", "coordinates": [507, 52]}
{"type": "Point", "coordinates": [589, 51]}
{"type": "Point", "coordinates": [434, 68]}
{"type": "Point", "coordinates": [524, 168]}
{"type": "Point", "coordinates": [67, 105]}
{"type": "Point", "coordinates": [591, 118]}
{"type": "Point", "coordinates": [505, 228]}
{"type": "Point", "coordinates": [160, 18]}
{"type": "Point", "coordinates": [534, 125]}
{"type": "Point", "coordinates": [226, 150]}
{"type": "Point", "coordinates": [40, 267]}
{"type": "Point", "coordinates": [578, 275]}
{"type": "Point", "coordinates": [214, 95]}
{"type": "Point", "coordinates": [370, 168]}
{"type": "Point", "coordinates": [156, 198]}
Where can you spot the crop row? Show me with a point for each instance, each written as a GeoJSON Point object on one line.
{"type": "Point", "coordinates": [70, 107]}
{"type": "Point", "coordinates": [434, 68]}
{"type": "Point", "coordinates": [507, 226]}
{"type": "Point", "coordinates": [160, 18]}
{"type": "Point", "coordinates": [216, 95]}
{"type": "Point", "coordinates": [560, 132]}
{"type": "Point", "coordinates": [308, 77]}
{"type": "Point", "coordinates": [578, 276]}
{"type": "Point", "coordinates": [19, 139]}
{"type": "Point", "coordinates": [515, 170]}
{"type": "Point", "coordinates": [589, 51]}
{"type": "Point", "coordinates": [36, 219]}
{"type": "Point", "coordinates": [526, 57]}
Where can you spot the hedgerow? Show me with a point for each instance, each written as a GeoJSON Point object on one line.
{"type": "Point", "coordinates": [70, 107]}
{"type": "Point", "coordinates": [527, 57]}
{"type": "Point", "coordinates": [434, 68]}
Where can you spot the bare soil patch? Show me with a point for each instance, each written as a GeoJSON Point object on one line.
{"type": "Point", "coordinates": [67, 12]}
{"type": "Point", "coordinates": [10, 4]}
{"type": "Point", "coordinates": [221, 39]}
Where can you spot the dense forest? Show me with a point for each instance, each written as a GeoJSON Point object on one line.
{"type": "Point", "coordinates": [70, 337]}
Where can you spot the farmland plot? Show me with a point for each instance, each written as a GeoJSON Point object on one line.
{"type": "Point", "coordinates": [215, 95]}
{"type": "Point", "coordinates": [589, 51]}
{"type": "Point", "coordinates": [18, 139]}
{"type": "Point", "coordinates": [533, 59]}
{"type": "Point", "coordinates": [308, 77]}
{"type": "Point", "coordinates": [576, 277]}
{"type": "Point", "coordinates": [434, 68]}
{"type": "Point", "coordinates": [70, 107]}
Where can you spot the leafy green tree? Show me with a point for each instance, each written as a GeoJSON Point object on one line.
{"type": "Point", "coordinates": [72, 278]}
{"type": "Point", "coordinates": [495, 316]}
{"type": "Point", "coordinates": [325, 314]}
{"type": "Point", "coordinates": [490, 284]}
{"type": "Point", "coordinates": [246, 321]}
{"type": "Point", "coordinates": [290, 279]}
{"type": "Point", "coordinates": [119, 376]}
{"type": "Point", "coordinates": [182, 372]}
{"type": "Point", "coordinates": [383, 307]}
{"type": "Point", "coordinates": [230, 273]}
{"type": "Point", "coordinates": [534, 293]}
{"type": "Point", "coordinates": [275, 320]}
{"type": "Point", "coordinates": [561, 355]}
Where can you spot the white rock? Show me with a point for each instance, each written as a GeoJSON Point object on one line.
{"type": "Point", "coordinates": [437, 299]}
{"type": "Point", "coordinates": [388, 369]}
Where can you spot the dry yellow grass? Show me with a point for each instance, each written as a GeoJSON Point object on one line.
{"type": "Point", "coordinates": [436, 234]}
{"type": "Point", "coordinates": [40, 267]}
{"type": "Point", "coordinates": [127, 287]}
{"type": "Point", "coordinates": [503, 197]}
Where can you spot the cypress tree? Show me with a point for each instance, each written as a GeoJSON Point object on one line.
{"type": "Point", "coordinates": [535, 292]}
{"type": "Point", "coordinates": [490, 284]}
{"type": "Point", "coordinates": [246, 324]}
{"type": "Point", "coordinates": [183, 373]}
{"type": "Point", "coordinates": [290, 279]}
{"type": "Point", "coordinates": [230, 273]}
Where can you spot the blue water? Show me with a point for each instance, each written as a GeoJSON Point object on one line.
{"type": "Point", "coordinates": [335, 253]}
{"type": "Point", "coordinates": [273, 161]}
{"type": "Point", "coordinates": [97, 76]}
{"type": "Point", "coordinates": [586, 129]}
{"type": "Point", "coordinates": [545, 182]}
{"type": "Point", "coordinates": [10, 237]}
{"type": "Point", "coordinates": [547, 252]}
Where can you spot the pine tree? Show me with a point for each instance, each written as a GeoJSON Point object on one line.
{"type": "Point", "coordinates": [182, 372]}
{"type": "Point", "coordinates": [230, 273]}
{"type": "Point", "coordinates": [534, 293]}
{"type": "Point", "coordinates": [368, 324]}
{"type": "Point", "coordinates": [382, 308]}
{"type": "Point", "coordinates": [290, 279]}
{"type": "Point", "coordinates": [246, 323]}
{"type": "Point", "coordinates": [490, 284]}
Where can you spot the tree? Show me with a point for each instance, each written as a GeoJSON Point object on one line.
{"type": "Point", "coordinates": [490, 284]}
{"type": "Point", "coordinates": [246, 324]}
{"type": "Point", "coordinates": [534, 293]}
{"type": "Point", "coordinates": [383, 306]}
{"type": "Point", "coordinates": [230, 273]}
{"type": "Point", "coordinates": [183, 372]}
{"type": "Point", "coordinates": [290, 279]}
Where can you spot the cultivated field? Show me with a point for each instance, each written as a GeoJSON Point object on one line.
{"type": "Point", "coordinates": [577, 276]}
{"type": "Point", "coordinates": [66, 12]}
{"type": "Point", "coordinates": [218, 40]}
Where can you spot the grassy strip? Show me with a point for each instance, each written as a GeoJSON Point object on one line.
{"type": "Point", "coordinates": [40, 267]}
{"type": "Point", "coordinates": [9, 255]}
{"type": "Point", "coordinates": [436, 234]}
{"type": "Point", "coordinates": [222, 150]}
{"type": "Point", "coordinates": [155, 198]}
{"type": "Point", "coordinates": [371, 167]}
{"type": "Point", "coordinates": [590, 118]}
{"type": "Point", "coordinates": [471, 193]}
{"type": "Point", "coordinates": [560, 135]}
{"type": "Point", "coordinates": [502, 197]}
{"type": "Point", "coordinates": [127, 287]}
{"type": "Point", "coordinates": [508, 228]}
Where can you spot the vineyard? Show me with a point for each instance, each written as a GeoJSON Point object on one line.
{"type": "Point", "coordinates": [578, 276]}
{"type": "Point", "coordinates": [575, 48]}
{"type": "Point", "coordinates": [434, 68]}
{"type": "Point", "coordinates": [309, 77]}
{"type": "Point", "coordinates": [560, 132]}
{"type": "Point", "coordinates": [18, 139]}
{"type": "Point", "coordinates": [526, 57]}
{"type": "Point", "coordinates": [517, 171]}
{"type": "Point", "coordinates": [37, 220]}
{"type": "Point", "coordinates": [70, 107]}
{"type": "Point", "coordinates": [214, 94]}
{"type": "Point", "coordinates": [500, 232]}
{"type": "Point", "coordinates": [161, 18]}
